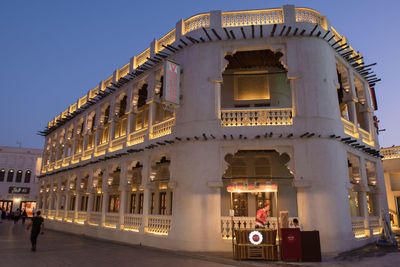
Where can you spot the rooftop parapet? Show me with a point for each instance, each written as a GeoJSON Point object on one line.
{"type": "Point", "coordinates": [391, 152]}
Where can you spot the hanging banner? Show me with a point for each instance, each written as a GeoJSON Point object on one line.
{"type": "Point", "coordinates": [171, 90]}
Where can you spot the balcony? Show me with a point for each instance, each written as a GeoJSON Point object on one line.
{"type": "Point", "coordinates": [117, 143]}
{"type": "Point", "coordinates": [162, 128]}
{"type": "Point", "coordinates": [256, 117]}
{"type": "Point", "coordinates": [137, 137]}
{"type": "Point", "coordinates": [357, 132]}
{"type": "Point", "coordinates": [391, 153]}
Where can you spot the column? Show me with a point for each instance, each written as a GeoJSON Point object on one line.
{"type": "Point", "coordinates": [105, 191]}
{"type": "Point", "coordinates": [67, 201]}
{"type": "Point", "coordinates": [58, 199]}
{"type": "Point", "coordinates": [123, 194]}
{"type": "Point", "coordinates": [364, 190]}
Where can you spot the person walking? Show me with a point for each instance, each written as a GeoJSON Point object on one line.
{"type": "Point", "coordinates": [17, 213]}
{"type": "Point", "coordinates": [24, 215]}
{"type": "Point", "coordinates": [37, 225]}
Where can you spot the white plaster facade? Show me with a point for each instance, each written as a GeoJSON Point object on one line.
{"type": "Point", "coordinates": [391, 168]}
{"type": "Point", "coordinates": [19, 168]}
{"type": "Point", "coordinates": [108, 147]}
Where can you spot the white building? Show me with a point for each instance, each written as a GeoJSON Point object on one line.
{"type": "Point", "coordinates": [391, 168]}
{"type": "Point", "coordinates": [19, 168]}
{"type": "Point", "coordinates": [272, 96]}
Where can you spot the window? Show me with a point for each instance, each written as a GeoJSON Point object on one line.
{"type": "Point", "coordinates": [170, 206]}
{"type": "Point", "coordinates": [114, 203]}
{"type": "Point", "coordinates": [84, 203]}
{"type": "Point", "coordinates": [132, 207]}
{"type": "Point", "coordinates": [2, 174]}
{"type": "Point", "coordinates": [19, 176]}
{"type": "Point", "coordinates": [240, 204]}
{"type": "Point", "coordinates": [251, 87]}
{"type": "Point", "coordinates": [27, 177]}
{"type": "Point", "coordinates": [122, 106]}
{"type": "Point", "coordinates": [141, 198]}
{"type": "Point", "coordinates": [72, 204]}
{"type": "Point", "coordinates": [163, 203]}
{"type": "Point", "coordinates": [10, 175]}
{"type": "Point", "coordinates": [97, 203]}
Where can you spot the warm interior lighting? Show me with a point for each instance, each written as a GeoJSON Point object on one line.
{"type": "Point", "coordinates": [252, 187]}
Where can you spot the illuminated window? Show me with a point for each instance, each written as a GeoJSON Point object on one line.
{"type": "Point", "coordinates": [152, 204]}
{"type": "Point", "coordinates": [10, 175]}
{"type": "Point", "coordinates": [114, 203]}
{"type": "Point", "coordinates": [163, 203]}
{"type": "Point", "coordinates": [251, 87]}
{"type": "Point", "coordinates": [132, 207]}
{"type": "Point", "coordinates": [27, 176]}
{"type": "Point", "coordinates": [72, 204]}
{"type": "Point", "coordinates": [19, 176]}
{"type": "Point", "coordinates": [141, 199]}
{"type": "Point", "coordinates": [2, 174]}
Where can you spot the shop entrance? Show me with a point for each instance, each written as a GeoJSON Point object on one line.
{"type": "Point", "coordinates": [29, 207]}
{"type": "Point", "coordinates": [6, 205]}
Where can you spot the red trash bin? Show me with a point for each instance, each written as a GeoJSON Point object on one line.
{"type": "Point", "coordinates": [291, 244]}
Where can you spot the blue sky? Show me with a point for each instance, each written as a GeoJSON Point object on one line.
{"type": "Point", "coordinates": [52, 52]}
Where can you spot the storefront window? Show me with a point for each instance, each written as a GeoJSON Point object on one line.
{"type": "Point", "coordinates": [114, 203]}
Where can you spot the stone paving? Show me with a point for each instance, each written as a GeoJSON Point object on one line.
{"type": "Point", "coordinates": [62, 249]}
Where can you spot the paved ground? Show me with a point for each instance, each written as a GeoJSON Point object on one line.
{"type": "Point", "coordinates": [61, 249]}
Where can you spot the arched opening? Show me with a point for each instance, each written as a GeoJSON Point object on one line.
{"type": "Point", "coordinates": [253, 178]}
{"type": "Point", "coordinates": [18, 178]}
{"type": "Point", "coordinates": [2, 174]}
{"type": "Point", "coordinates": [10, 175]}
{"type": "Point", "coordinates": [105, 132]}
{"type": "Point", "coordinates": [121, 121]}
{"type": "Point", "coordinates": [142, 115]}
{"type": "Point", "coordinates": [136, 197]}
{"type": "Point", "coordinates": [161, 194]}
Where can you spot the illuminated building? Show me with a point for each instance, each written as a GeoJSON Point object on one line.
{"type": "Point", "coordinates": [391, 168]}
{"type": "Point", "coordinates": [267, 96]}
{"type": "Point", "coordinates": [19, 168]}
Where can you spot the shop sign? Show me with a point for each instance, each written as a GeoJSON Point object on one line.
{"type": "Point", "coordinates": [18, 190]}
{"type": "Point", "coordinates": [249, 187]}
{"type": "Point", "coordinates": [255, 237]}
{"type": "Point", "coordinates": [171, 90]}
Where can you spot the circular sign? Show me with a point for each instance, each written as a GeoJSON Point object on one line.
{"type": "Point", "coordinates": [255, 237]}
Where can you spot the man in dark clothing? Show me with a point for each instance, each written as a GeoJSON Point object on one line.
{"type": "Point", "coordinates": [37, 225]}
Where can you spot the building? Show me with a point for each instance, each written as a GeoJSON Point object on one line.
{"type": "Point", "coordinates": [19, 187]}
{"type": "Point", "coordinates": [391, 168]}
{"type": "Point", "coordinates": [251, 100]}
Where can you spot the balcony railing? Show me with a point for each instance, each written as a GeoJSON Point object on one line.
{"type": "Point", "coordinates": [137, 137]}
{"type": "Point", "coordinates": [366, 137]}
{"type": "Point", "coordinates": [375, 225]}
{"type": "Point", "coordinates": [252, 17]}
{"type": "Point", "coordinates": [256, 117]}
{"type": "Point", "coordinates": [310, 16]}
{"type": "Point", "coordinates": [70, 215]}
{"type": "Point", "coordinates": [159, 224]}
{"type": "Point", "coordinates": [162, 128]}
{"type": "Point", "coordinates": [357, 225]}
{"type": "Point", "coordinates": [132, 221]}
{"type": "Point", "coordinates": [391, 152]}
{"type": "Point", "coordinates": [81, 216]}
{"type": "Point", "coordinates": [350, 128]}
{"type": "Point", "coordinates": [94, 218]}
{"type": "Point", "coordinates": [357, 132]}
{"type": "Point", "coordinates": [246, 222]}
{"type": "Point", "coordinates": [196, 22]}
{"type": "Point", "coordinates": [111, 220]}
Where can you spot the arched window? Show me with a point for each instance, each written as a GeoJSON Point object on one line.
{"type": "Point", "coordinates": [142, 96]}
{"type": "Point", "coordinates": [2, 174]}
{"type": "Point", "coordinates": [10, 175]}
{"type": "Point", "coordinates": [27, 176]}
{"type": "Point", "coordinates": [19, 176]}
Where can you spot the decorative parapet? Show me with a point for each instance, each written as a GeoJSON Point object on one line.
{"type": "Point", "coordinates": [132, 222]}
{"type": "Point", "coordinates": [256, 117]}
{"type": "Point", "coordinates": [137, 137]}
{"type": "Point", "coordinates": [162, 128]}
{"type": "Point", "coordinates": [159, 224]}
{"type": "Point", "coordinates": [252, 17]}
{"type": "Point", "coordinates": [391, 152]}
{"type": "Point", "coordinates": [82, 101]}
{"type": "Point", "coordinates": [169, 38]}
{"type": "Point", "coordinates": [350, 128]}
{"type": "Point", "coordinates": [310, 16]}
{"type": "Point", "coordinates": [142, 58]}
{"type": "Point", "coordinates": [111, 220]}
{"type": "Point", "coordinates": [123, 71]}
{"type": "Point", "coordinates": [196, 22]}
{"type": "Point", "coordinates": [357, 225]}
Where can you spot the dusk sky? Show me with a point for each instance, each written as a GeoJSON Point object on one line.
{"type": "Point", "coordinates": [52, 52]}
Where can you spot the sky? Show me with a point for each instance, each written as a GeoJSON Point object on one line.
{"type": "Point", "coordinates": [52, 52]}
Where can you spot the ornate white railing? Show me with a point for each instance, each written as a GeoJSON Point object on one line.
{"type": "Point", "coordinates": [94, 218]}
{"type": "Point", "coordinates": [256, 117]}
{"type": "Point", "coordinates": [70, 215]}
{"type": "Point", "coordinates": [111, 220]}
{"type": "Point", "coordinates": [350, 128]}
{"type": "Point", "coordinates": [167, 39]}
{"type": "Point", "coordinates": [132, 221]}
{"type": "Point", "coordinates": [123, 71]}
{"type": "Point", "coordinates": [366, 137]}
{"type": "Point", "coordinates": [252, 17]}
{"type": "Point", "coordinates": [375, 225]}
{"type": "Point", "coordinates": [197, 22]}
{"type": "Point", "coordinates": [81, 216]}
{"type": "Point", "coordinates": [357, 226]}
{"type": "Point", "coordinates": [309, 15]}
{"type": "Point", "coordinates": [137, 137]}
{"type": "Point", "coordinates": [391, 152]}
{"type": "Point", "coordinates": [51, 213]}
{"type": "Point", "coordinates": [246, 222]}
{"type": "Point", "coordinates": [159, 224]}
{"type": "Point", "coordinates": [142, 58]}
{"type": "Point", "coordinates": [162, 128]}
